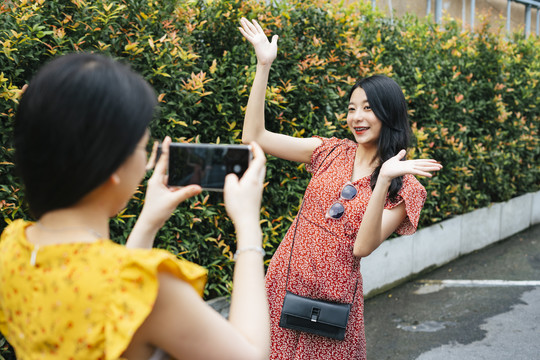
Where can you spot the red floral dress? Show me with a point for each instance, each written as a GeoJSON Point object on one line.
{"type": "Point", "coordinates": [323, 265]}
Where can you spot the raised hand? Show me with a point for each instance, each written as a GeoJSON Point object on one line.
{"type": "Point", "coordinates": [394, 167]}
{"type": "Point", "coordinates": [160, 200]}
{"type": "Point", "coordinates": [265, 50]}
{"type": "Point", "coordinates": [243, 196]}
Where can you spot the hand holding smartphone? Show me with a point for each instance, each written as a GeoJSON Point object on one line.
{"type": "Point", "coordinates": [206, 164]}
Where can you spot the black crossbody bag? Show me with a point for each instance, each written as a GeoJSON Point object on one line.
{"type": "Point", "coordinates": [320, 317]}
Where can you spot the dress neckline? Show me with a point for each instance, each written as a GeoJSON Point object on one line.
{"type": "Point", "coordinates": [24, 240]}
{"type": "Point", "coordinates": [350, 167]}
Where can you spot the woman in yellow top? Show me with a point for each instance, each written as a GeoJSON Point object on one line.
{"type": "Point", "coordinates": [66, 291]}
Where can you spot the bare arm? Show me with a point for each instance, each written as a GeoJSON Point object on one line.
{"type": "Point", "coordinates": [378, 223]}
{"type": "Point", "coordinates": [249, 305]}
{"type": "Point", "coordinates": [185, 327]}
{"type": "Point", "coordinates": [282, 146]}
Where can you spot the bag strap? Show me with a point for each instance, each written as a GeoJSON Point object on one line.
{"type": "Point", "coordinates": [296, 227]}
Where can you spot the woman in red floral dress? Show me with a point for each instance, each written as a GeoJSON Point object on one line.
{"type": "Point", "coordinates": [360, 193]}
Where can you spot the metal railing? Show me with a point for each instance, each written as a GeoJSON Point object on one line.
{"type": "Point", "coordinates": [529, 5]}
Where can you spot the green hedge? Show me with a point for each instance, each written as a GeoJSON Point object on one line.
{"type": "Point", "coordinates": [473, 98]}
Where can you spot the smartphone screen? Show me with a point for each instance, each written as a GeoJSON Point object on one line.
{"type": "Point", "coordinates": [206, 164]}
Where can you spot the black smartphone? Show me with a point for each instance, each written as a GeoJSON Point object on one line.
{"type": "Point", "coordinates": [206, 164]}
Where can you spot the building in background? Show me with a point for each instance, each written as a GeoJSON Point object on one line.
{"type": "Point", "coordinates": [524, 14]}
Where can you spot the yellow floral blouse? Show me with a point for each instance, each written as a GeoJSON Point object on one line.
{"type": "Point", "coordinates": [79, 300]}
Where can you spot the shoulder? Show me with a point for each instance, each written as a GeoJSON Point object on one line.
{"type": "Point", "coordinates": [135, 287]}
{"type": "Point", "coordinates": [15, 229]}
{"type": "Point", "coordinates": [150, 262]}
{"type": "Point", "coordinates": [326, 148]}
{"type": "Point", "coordinates": [328, 143]}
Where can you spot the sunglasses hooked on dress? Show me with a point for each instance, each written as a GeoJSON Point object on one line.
{"type": "Point", "coordinates": [337, 209]}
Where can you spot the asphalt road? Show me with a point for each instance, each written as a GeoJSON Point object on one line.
{"type": "Point", "coordinates": [485, 305]}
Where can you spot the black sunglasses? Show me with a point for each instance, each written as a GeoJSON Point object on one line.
{"type": "Point", "coordinates": [337, 209]}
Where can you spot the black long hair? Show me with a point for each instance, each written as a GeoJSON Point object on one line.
{"type": "Point", "coordinates": [80, 118]}
{"type": "Point", "coordinates": [388, 103]}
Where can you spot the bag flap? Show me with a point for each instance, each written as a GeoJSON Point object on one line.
{"type": "Point", "coordinates": [330, 313]}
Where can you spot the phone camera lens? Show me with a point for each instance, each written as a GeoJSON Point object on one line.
{"type": "Point", "coordinates": [237, 168]}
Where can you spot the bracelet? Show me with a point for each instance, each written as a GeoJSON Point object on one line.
{"type": "Point", "coordinates": [249, 248]}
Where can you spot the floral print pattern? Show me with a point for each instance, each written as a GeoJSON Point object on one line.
{"type": "Point", "coordinates": [79, 300]}
{"type": "Point", "coordinates": [322, 265]}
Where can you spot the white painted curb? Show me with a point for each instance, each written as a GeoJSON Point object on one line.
{"type": "Point", "coordinates": [398, 259]}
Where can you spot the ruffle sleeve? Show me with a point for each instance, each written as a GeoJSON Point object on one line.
{"type": "Point", "coordinates": [14, 230]}
{"type": "Point", "coordinates": [414, 195]}
{"type": "Point", "coordinates": [136, 292]}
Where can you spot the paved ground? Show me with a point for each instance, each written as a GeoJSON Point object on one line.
{"type": "Point", "coordinates": [485, 305]}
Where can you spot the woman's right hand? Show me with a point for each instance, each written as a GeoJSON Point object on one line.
{"type": "Point", "coordinates": [243, 196]}
{"type": "Point", "coordinates": [265, 50]}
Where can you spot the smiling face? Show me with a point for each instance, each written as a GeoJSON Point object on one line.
{"type": "Point", "coordinates": [362, 121]}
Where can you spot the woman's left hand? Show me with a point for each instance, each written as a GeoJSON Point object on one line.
{"type": "Point", "coordinates": [394, 167]}
{"type": "Point", "coordinates": [161, 200]}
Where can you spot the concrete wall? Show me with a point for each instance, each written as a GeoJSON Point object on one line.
{"type": "Point", "coordinates": [399, 259]}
